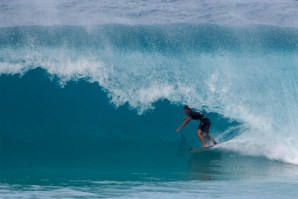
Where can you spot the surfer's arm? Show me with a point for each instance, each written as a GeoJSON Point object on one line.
{"type": "Point", "coordinates": [184, 123]}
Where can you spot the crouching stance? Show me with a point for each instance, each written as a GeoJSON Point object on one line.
{"type": "Point", "coordinates": [203, 128]}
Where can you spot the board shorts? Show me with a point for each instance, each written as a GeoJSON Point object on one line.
{"type": "Point", "coordinates": [205, 125]}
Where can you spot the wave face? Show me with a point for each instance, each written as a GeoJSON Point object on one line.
{"type": "Point", "coordinates": [92, 87]}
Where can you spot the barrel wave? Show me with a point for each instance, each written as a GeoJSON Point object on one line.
{"type": "Point", "coordinates": [117, 91]}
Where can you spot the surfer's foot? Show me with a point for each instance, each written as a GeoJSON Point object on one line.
{"type": "Point", "coordinates": [206, 145]}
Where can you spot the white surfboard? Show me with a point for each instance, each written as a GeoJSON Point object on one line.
{"type": "Point", "coordinates": [201, 149]}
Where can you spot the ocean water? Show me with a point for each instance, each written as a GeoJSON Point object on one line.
{"type": "Point", "coordinates": [92, 92]}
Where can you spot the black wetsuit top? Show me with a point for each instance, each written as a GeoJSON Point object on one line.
{"type": "Point", "coordinates": [205, 122]}
{"type": "Point", "coordinates": [196, 115]}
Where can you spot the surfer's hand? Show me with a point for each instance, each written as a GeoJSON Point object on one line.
{"type": "Point", "coordinates": [178, 130]}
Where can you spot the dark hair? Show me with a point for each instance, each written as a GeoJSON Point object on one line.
{"type": "Point", "coordinates": [186, 107]}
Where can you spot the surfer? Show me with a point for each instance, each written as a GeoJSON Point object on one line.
{"type": "Point", "coordinates": [203, 128]}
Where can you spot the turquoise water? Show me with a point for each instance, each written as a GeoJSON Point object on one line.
{"type": "Point", "coordinates": [91, 95]}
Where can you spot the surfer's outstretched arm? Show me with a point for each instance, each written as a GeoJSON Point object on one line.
{"type": "Point", "coordinates": [184, 123]}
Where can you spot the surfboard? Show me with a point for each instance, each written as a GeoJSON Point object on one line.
{"type": "Point", "coordinates": [200, 149]}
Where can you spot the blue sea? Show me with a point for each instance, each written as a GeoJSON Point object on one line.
{"type": "Point", "coordinates": [92, 92]}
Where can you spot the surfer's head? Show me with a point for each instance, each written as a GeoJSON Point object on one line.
{"type": "Point", "coordinates": [187, 109]}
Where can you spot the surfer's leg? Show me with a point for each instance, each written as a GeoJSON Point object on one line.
{"type": "Point", "coordinates": [202, 138]}
{"type": "Point", "coordinates": [210, 138]}
{"type": "Point", "coordinates": [206, 129]}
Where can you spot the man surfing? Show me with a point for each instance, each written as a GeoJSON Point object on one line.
{"type": "Point", "coordinates": [203, 128]}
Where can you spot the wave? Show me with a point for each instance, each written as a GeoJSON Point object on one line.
{"type": "Point", "coordinates": [246, 76]}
